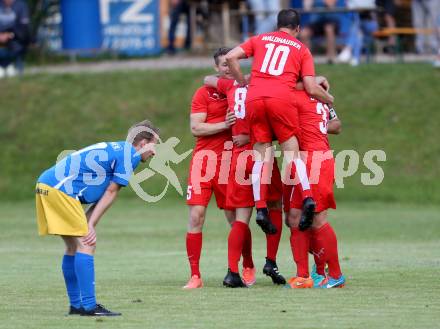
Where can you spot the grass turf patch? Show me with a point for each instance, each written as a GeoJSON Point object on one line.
{"type": "Point", "coordinates": [389, 255]}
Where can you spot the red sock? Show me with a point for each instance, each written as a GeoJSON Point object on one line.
{"type": "Point", "coordinates": [299, 174]}
{"type": "Point", "coordinates": [273, 240]}
{"type": "Point", "coordinates": [261, 170]}
{"type": "Point", "coordinates": [193, 250]}
{"type": "Point", "coordinates": [325, 241]}
{"type": "Point", "coordinates": [247, 249]}
{"type": "Point", "coordinates": [236, 239]}
{"type": "Point", "coordinates": [300, 243]}
{"type": "Point", "coordinates": [318, 253]}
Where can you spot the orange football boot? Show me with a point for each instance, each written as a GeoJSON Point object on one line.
{"type": "Point", "coordinates": [248, 276]}
{"type": "Point", "coordinates": [194, 283]}
{"type": "Point", "coordinates": [299, 282]}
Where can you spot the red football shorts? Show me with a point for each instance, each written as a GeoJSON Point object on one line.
{"type": "Point", "coordinates": [273, 117]}
{"type": "Point", "coordinates": [207, 176]}
{"type": "Point", "coordinates": [321, 184]}
{"type": "Point", "coordinates": [239, 193]}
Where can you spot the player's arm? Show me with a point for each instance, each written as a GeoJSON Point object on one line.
{"type": "Point", "coordinates": [320, 80]}
{"type": "Point", "coordinates": [247, 78]}
{"type": "Point", "coordinates": [334, 125]}
{"type": "Point", "coordinates": [211, 81]}
{"type": "Point", "coordinates": [98, 210]}
{"type": "Point", "coordinates": [233, 59]}
{"type": "Point", "coordinates": [308, 78]}
{"type": "Point", "coordinates": [316, 91]}
{"type": "Point", "coordinates": [199, 127]}
{"type": "Point", "coordinates": [90, 211]}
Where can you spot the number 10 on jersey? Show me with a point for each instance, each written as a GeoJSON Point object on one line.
{"type": "Point", "coordinates": [274, 55]}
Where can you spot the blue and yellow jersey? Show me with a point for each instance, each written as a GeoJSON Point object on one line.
{"type": "Point", "coordinates": [86, 174]}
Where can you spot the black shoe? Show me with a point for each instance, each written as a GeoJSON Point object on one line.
{"type": "Point", "coordinates": [264, 222]}
{"type": "Point", "coordinates": [233, 280]}
{"type": "Point", "coordinates": [75, 311]}
{"type": "Point", "coordinates": [271, 269]}
{"type": "Point", "coordinates": [308, 212]}
{"type": "Point", "coordinates": [99, 310]}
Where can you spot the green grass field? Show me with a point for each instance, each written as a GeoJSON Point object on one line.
{"type": "Point", "coordinates": [389, 234]}
{"type": "Point", "coordinates": [390, 254]}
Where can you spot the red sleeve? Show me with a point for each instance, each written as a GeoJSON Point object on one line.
{"type": "Point", "coordinates": [199, 102]}
{"type": "Point", "coordinates": [307, 65]}
{"type": "Point", "coordinates": [248, 46]}
{"type": "Point", "coordinates": [223, 85]}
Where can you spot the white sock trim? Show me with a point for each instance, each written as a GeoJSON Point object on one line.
{"type": "Point", "coordinates": [301, 173]}
{"type": "Point", "coordinates": [256, 179]}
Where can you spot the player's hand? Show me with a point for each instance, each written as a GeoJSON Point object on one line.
{"type": "Point", "coordinates": [240, 140]}
{"type": "Point", "coordinates": [248, 78]}
{"type": "Point", "coordinates": [90, 238]}
{"type": "Point", "coordinates": [323, 82]}
{"type": "Point", "coordinates": [243, 83]}
{"type": "Point", "coordinates": [230, 119]}
{"type": "Point", "coordinates": [332, 100]}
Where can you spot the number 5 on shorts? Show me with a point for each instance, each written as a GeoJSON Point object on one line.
{"type": "Point", "coordinates": [189, 192]}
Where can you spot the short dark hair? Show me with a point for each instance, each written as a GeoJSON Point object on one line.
{"type": "Point", "coordinates": [142, 130]}
{"type": "Point", "coordinates": [289, 18]}
{"type": "Point", "coordinates": [222, 51]}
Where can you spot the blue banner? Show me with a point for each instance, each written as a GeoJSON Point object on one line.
{"type": "Point", "coordinates": [131, 27]}
{"type": "Point", "coordinates": [81, 25]}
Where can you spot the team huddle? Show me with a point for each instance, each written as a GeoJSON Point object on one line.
{"type": "Point", "coordinates": [235, 119]}
{"type": "Point", "coordinates": [282, 101]}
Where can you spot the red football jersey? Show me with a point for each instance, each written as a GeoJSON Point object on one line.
{"type": "Point", "coordinates": [210, 101]}
{"type": "Point", "coordinates": [236, 102]}
{"type": "Point", "coordinates": [279, 61]}
{"type": "Point", "coordinates": [313, 119]}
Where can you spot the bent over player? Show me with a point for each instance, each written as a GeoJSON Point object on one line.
{"type": "Point", "coordinates": [93, 175]}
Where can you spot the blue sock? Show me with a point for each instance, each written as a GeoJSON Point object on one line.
{"type": "Point", "coordinates": [72, 288]}
{"type": "Point", "coordinates": [85, 273]}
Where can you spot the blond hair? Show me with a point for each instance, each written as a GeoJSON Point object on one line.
{"type": "Point", "coordinates": [142, 130]}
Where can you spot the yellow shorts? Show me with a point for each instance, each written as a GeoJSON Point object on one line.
{"type": "Point", "coordinates": [58, 213]}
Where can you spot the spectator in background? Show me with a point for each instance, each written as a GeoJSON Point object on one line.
{"type": "Point", "coordinates": [14, 35]}
{"type": "Point", "coordinates": [325, 23]}
{"type": "Point", "coordinates": [390, 10]}
{"type": "Point", "coordinates": [425, 14]}
{"type": "Point", "coordinates": [178, 7]}
{"type": "Point", "coordinates": [266, 12]}
{"type": "Point", "coordinates": [364, 24]}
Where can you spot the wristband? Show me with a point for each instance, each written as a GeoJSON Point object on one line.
{"type": "Point", "coordinates": [332, 114]}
